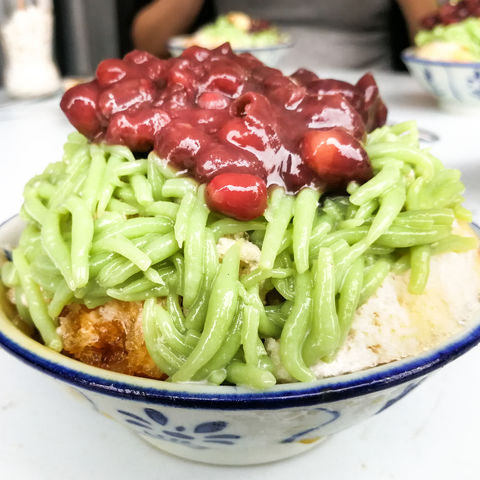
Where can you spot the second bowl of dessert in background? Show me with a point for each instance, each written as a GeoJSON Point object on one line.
{"type": "Point", "coordinates": [455, 85]}
{"type": "Point", "coordinates": [446, 56]}
{"type": "Point", "coordinates": [245, 35]}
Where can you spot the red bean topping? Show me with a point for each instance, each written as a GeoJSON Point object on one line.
{"type": "Point", "coordinates": [138, 129]}
{"type": "Point", "coordinates": [335, 156]}
{"type": "Point", "coordinates": [238, 195]}
{"type": "Point", "coordinates": [79, 104]}
{"type": "Point", "coordinates": [126, 94]}
{"type": "Point", "coordinates": [213, 101]}
{"type": "Point", "coordinates": [138, 57]}
{"type": "Point", "coordinates": [180, 142]}
{"type": "Point", "coordinates": [375, 111]}
{"type": "Point", "coordinates": [113, 70]}
{"type": "Point", "coordinates": [220, 158]}
{"type": "Point", "coordinates": [333, 111]}
{"type": "Point", "coordinates": [212, 113]}
{"type": "Point", "coordinates": [450, 13]}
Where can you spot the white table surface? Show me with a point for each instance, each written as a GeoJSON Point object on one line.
{"type": "Point", "coordinates": [431, 434]}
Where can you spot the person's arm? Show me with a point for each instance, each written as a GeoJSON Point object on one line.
{"type": "Point", "coordinates": [414, 11]}
{"type": "Point", "coordinates": [160, 20]}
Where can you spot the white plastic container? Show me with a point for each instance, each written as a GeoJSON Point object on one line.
{"type": "Point", "coordinates": [26, 34]}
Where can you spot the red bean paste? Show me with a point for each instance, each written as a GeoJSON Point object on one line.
{"type": "Point", "coordinates": [213, 114]}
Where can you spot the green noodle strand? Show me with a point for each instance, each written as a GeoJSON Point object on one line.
{"type": "Point", "coordinates": [454, 243]}
{"type": "Point", "coordinates": [229, 226]}
{"type": "Point", "coordinates": [251, 320]}
{"type": "Point", "coordinates": [23, 310]}
{"type": "Point", "coordinates": [373, 278]}
{"type": "Point", "coordinates": [306, 204]}
{"type": "Point", "coordinates": [183, 214]}
{"type": "Point", "coordinates": [172, 338]}
{"type": "Point", "coordinates": [156, 180]}
{"type": "Point", "coordinates": [134, 227]}
{"type": "Point", "coordinates": [120, 270]}
{"type": "Point", "coordinates": [54, 246]}
{"type": "Point", "coordinates": [266, 327]}
{"type": "Point", "coordinates": [178, 187]}
{"type": "Point", "coordinates": [124, 247]}
{"type": "Point", "coordinates": [36, 304]}
{"type": "Point", "coordinates": [82, 234]}
{"type": "Point", "coordinates": [108, 184]}
{"type": "Point", "coordinates": [142, 189]}
{"type": "Point", "coordinates": [378, 185]}
{"type": "Point", "coordinates": [324, 335]}
{"type": "Point", "coordinates": [221, 310]}
{"type": "Point", "coordinates": [161, 165]}
{"type": "Point", "coordinates": [153, 339]}
{"type": "Point", "coordinates": [349, 297]}
{"type": "Point", "coordinates": [34, 207]}
{"type": "Point", "coordinates": [420, 268]}
{"type": "Point", "coordinates": [62, 297]}
{"type": "Point", "coordinates": [9, 275]}
{"type": "Point", "coordinates": [227, 351]}
{"type": "Point", "coordinates": [390, 206]}
{"type": "Point", "coordinates": [275, 232]}
{"type": "Point", "coordinates": [249, 375]}
{"type": "Point", "coordinates": [138, 167]}
{"type": "Point", "coordinates": [74, 179]}
{"type": "Point", "coordinates": [194, 250]}
{"type": "Point", "coordinates": [93, 181]}
{"type": "Point", "coordinates": [197, 312]}
{"type": "Point", "coordinates": [295, 330]}
{"type": "Point", "coordinates": [123, 208]}
{"type": "Point", "coordinates": [161, 209]}
{"type": "Point", "coordinates": [173, 307]}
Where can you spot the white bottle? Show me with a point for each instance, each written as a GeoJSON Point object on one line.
{"type": "Point", "coordinates": [26, 36]}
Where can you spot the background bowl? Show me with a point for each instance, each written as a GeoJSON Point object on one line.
{"type": "Point", "coordinates": [455, 85]}
{"type": "Point", "coordinates": [270, 55]}
{"type": "Point", "coordinates": [232, 425]}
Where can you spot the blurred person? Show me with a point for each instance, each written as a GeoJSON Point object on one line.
{"type": "Point", "coordinates": [343, 33]}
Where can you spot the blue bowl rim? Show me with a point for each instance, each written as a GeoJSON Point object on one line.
{"type": "Point", "coordinates": [287, 43]}
{"type": "Point", "coordinates": [408, 55]}
{"type": "Point", "coordinates": [238, 398]}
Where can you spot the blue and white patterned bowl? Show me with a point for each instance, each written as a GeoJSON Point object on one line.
{"type": "Point", "coordinates": [231, 425]}
{"type": "Point", "coordinates": [455, 85]}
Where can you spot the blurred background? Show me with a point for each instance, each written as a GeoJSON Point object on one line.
{"type": "Point", "coordinates": [86, 31]}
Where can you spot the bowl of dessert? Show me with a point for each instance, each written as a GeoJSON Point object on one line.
{"type": "Point", "coordinates": [236, 267]}
{"type": "Point", "coordinates": [446, 56]}
{"type": "Point", "coordinates": [245, 35]}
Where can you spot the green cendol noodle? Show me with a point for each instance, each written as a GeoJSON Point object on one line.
{"type": "Point", "coordinates": [103, 225]}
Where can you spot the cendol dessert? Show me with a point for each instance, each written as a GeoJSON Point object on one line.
{"type": "Point", "coordinates": [452, 33]}
{"type": "Point", "coordinates": [238, 29]}
{"type": "Point", "coordinates": [214, 220]}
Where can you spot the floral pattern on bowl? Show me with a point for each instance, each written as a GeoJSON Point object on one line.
{"type": "Point", "coordinates": [237, 436]}
{"type": "Point", "coordinates": [196, 437]}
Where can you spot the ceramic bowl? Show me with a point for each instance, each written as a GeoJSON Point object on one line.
{"type": "Point", "coordinates": [232, 425]}
{"type": "Point", "coordinates": [455, 85]}
{"type": "Point", "coordinates": [269, 55]}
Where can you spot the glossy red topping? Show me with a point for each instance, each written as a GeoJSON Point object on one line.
{"type": "Point", "coordinates": [449, 13]}
{"type": "Point", "coordinates": [335, 157]}
{"type": "Point", "coordinates": [211, 112]}
{"type": "Point", "coordinates": [238, 195]}
{"type": "Point", "coordinates": [80, 105]}
{"type": "Point", "coordinates": [137, 129]}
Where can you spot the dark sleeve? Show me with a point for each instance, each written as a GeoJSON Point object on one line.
{"type": "Point", "coordinates": [398, 36]}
